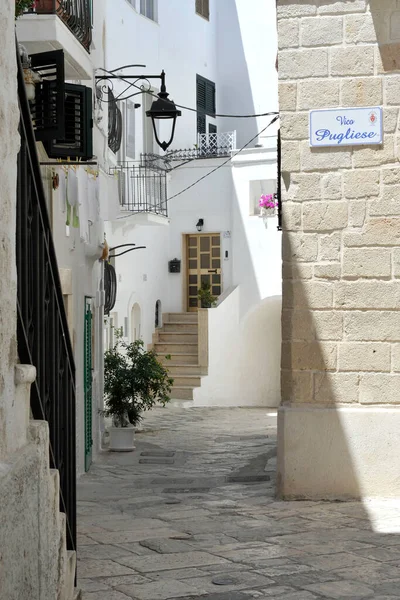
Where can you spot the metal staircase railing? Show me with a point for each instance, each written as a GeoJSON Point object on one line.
{"type": "Point", "coordinates": [43, 335]}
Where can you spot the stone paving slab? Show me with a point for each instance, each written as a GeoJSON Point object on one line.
{"type": "Point", "coordinates": [208, 527]}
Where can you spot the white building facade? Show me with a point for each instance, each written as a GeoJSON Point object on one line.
{"type": "Point", "coordinates": [230, 51]}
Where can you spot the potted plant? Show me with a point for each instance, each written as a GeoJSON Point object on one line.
{"type": "Point", "coordinates": [267, 205]}
{"type": "Point", "coordinates": [134, 381]}
{"type": "Point", "coordinates": [22, 6]}
{"type": "Point", "coordinates": [206, 298]}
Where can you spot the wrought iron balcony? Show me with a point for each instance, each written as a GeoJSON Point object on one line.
{"type": "Point", "coordinates": [76, 14]}
{"type": "Point", "coordinates": [142, 189]}
{"type": "Point", "coordinates": [209, 145]}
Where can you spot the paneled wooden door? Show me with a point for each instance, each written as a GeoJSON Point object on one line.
{"type": "Point", "coordinates": [203, 264]}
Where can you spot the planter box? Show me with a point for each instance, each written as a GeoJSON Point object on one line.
{"type": "Point", "coordinates": [122, 439]}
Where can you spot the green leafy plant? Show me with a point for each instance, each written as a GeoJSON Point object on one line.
{"type": "Point", "coordinates": [22, 6]}
{"type": "Point", "coordinates": [205, 296]}
{"type": "Point", "coordinates": [134, 381]}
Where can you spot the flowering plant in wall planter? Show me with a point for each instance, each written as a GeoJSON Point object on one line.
{"type": "Point", "coordinates": [22, 6]}
{"type": "Point", "coordinates": [267, 205]}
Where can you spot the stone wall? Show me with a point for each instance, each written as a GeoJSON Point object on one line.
{"type": "Point", "coordinates": [9, 117]}
{"type": "Point", "coordinates": [341, 241]}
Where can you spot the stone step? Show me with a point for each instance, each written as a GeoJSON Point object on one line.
{"type": "Point", "coordinates": [182, 392]}
{"type": "Point", "coordinates": [187, 317]}
{"type": "Point", "coordinates": [183, 369]}
{"type": "Point", "coordinates": [176, 337]}
{"type": "Point", "coordinates": [179, 358]}
{"type": "Point", "coordinates": [187, 380]}
{"type": "Point", "coordinates": [171, 348]}
{"type": "Point", "coordinates": [176, 326]}
{"type": "Point", "coordinates": [69, 582]}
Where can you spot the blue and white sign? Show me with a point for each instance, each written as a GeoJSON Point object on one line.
{"type": "Point", "coordinates": [346, 127]}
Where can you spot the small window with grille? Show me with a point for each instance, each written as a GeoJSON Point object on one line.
{"type": "Point", "coordinates": [203, 8]}
{"type": "Point", "coordinates": [257, 189]}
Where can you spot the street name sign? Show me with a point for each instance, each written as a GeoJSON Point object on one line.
{"type": "Point", "coordinates": [346, 127]}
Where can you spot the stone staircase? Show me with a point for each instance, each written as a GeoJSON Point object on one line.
{"type": "Point", "coordinates": [37, 544]}
{"type": "Point", "coordinates": [178, 338]}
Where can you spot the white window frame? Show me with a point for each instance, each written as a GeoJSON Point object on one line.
{"type": "Point", "coordinates": [149, 9]}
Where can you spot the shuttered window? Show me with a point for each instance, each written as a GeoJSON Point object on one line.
{"type": "Point", "coordinates": [48, 107]}
{"type": "Point", "coordinates": [205, 102]}
{"type": "Point", "coordinates": [77, 141]}
{"type": "Point", "coordinates": [203, 8]}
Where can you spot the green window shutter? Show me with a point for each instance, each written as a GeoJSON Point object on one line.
{"type": "Point", "coordinates": [206, 104]}
{"type": "Point", "coordinates": [48, 108]}
{"type": "Point", "coordinates": [210, 98]}
{"type": "Point", "coordinates": [77, 142]}
{"type": "Point", "coordinates": [203, 8]}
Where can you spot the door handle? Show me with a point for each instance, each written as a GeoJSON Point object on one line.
{"type": "Point", "coordinates": [213, 271]}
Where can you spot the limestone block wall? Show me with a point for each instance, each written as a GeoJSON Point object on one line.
{"type": "Point", "coordinates": [9, 118]}
{"type": "Point", "coordinates": [341, 206]}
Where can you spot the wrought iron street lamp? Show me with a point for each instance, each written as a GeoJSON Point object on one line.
{"type": "Point", "coordinates": [162, 109]}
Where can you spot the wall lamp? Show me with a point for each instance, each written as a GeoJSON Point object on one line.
{"type": "Point", "coordinates": [200, 225]}
{"type": "Point", "coordinates": [162, 109]}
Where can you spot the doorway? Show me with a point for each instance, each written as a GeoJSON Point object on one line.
{"type": "Point", "coordinates": [136, 322]}
{"type": "Point", "coordinates": [203, 257]}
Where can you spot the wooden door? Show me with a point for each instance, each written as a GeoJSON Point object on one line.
{"type": "Point", "coordinates": [203, 264]}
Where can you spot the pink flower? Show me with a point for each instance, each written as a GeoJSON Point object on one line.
{"type": "Point", "coordinates": [267, 201]}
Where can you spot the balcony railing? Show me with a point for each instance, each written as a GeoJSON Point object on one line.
{"type": "Point", "coordinates": [76, 14]}
{"type": "Point", "coordinates": [43, 334]}
{"type": "Point", "coordinates": [142, 189]}
{"type": "Point", "coordinates": [209, 145]}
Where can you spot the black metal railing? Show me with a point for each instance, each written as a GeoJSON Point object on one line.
{"type": "Point", "coordinates": [43, 335]}
{"type": "Point", "coordinates": [142, 189]}
{"type": "Point", "coordinates": [114, 123]}
{"type": "Point", "coordinates": [76, 14]}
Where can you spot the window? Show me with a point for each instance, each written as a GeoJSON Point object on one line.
{"type": "Point", "coordinates": [203, 8]}
{"type": "Point", "coordinates": [205, 102]}
{"type": "Point", "coordinates": [148, 133]}
{"type": "Point", "coordinates": [148, 8]}
{"type": "Point", "coordinates": [130, 129]}
{"type": "Point", "coordinates": [257, 188]}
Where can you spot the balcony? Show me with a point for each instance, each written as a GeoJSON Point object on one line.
{"type": "Point", "coordinates": [60, 25]}
{"type": "Point", "coordinates": [142, 192]}
{"type": "Point", "coordinates": [209, 145]}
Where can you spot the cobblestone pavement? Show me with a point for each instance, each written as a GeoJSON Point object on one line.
{"type": "Point", "coordinates": [191, 514]}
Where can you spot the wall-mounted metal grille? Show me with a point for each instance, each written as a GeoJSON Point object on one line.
{"type": "Point", "coordinates": [143, 189]}
{"type": "Point", "coordinates": [76, 14]}
{"type": "Point", "coordinates": [43, 334]}
{"type": "Point", "coordinates": [114, 124]}
{"type": "Point", "coordinates": [110, 287]}
{"type": "Point", "coordinates": [209, 145]}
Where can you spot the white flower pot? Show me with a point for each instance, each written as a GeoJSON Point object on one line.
{"type": "Point", "coordinates": [267, 212]}
{"type": "Point", "coordinates": [121, 439]}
